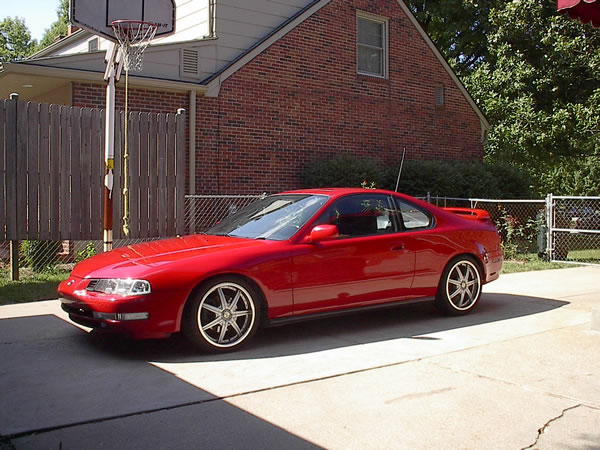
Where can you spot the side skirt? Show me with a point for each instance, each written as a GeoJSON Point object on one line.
{"type": "Point", "coordinates": [345, 312]}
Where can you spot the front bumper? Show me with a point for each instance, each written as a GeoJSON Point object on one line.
{"type": "Point", "coordinates": [140, 317]}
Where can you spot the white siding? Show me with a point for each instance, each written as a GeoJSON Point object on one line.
{"type": "Point", "coordinates": [192, 22]}
{"type": "Point", "coordinates": [81, 46]}
{"type": "Point", "coordinates": [240, 24]}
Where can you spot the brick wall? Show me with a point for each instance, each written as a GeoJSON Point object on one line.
{"type": "Point", "coordinates": [302, 100]}
{"type": "Point", "coordinates": [93, 95]}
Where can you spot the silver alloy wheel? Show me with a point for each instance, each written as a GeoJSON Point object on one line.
{"type": "Point", "coordinates": [463, 285]}
{"type": "Point", "coordinates": [226, 315]}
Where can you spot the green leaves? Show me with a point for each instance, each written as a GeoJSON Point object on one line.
{"type": "Point", "coordinates": [59, 28]}
{"type": "Point", "coordinates": [537, 82]}
{"type": "Point", "coordinates": [15, 40]}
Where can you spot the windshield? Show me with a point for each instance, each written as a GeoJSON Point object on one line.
{"type": "Point", "coordinates": [276, 218]}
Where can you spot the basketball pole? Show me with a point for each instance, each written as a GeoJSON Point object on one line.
{"type": "Point", "coordinates": [111, 75]}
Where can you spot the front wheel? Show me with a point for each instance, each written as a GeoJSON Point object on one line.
{"type": "Point", "coordinates": [223, 315]}
{"type": "Point", "coordinates": [460, 287]}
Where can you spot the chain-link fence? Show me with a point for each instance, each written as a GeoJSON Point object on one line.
{"type": "Point", "coordinates": [574, 224]}
{"type": "Point", "coordinates": [204, 211]}
{"type": "Point", "coordinates": [573, 235]}
{"type": "Point", "coordinates": [37, 256]}
{"type": "Point", "coordinates": [520, 223]}
{"type": "Point", "coordinates": [42, 257]}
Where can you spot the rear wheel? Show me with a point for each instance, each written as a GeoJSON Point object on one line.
{"type": "Point", "coordinates": [460, 287]}
{"type": "Point", "coordinates": [223, 315]}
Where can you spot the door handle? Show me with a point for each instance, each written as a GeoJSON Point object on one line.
{"type": "Point", "coordinates": [398, 247]}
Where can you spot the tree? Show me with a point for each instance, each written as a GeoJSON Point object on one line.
{"type": "Point", "coordinates": [541, 91]}
{"type": "Point", "coordinates": [459, 29]}
{"type": "Point", "coordinates": [534, 73]}
{"type": "Point", "coordinates": [59, 28]}
{"type": "Point", "coordinates": [15, 40]}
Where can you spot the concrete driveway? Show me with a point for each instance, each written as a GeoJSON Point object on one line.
{"type": "Point", "coordinates": [522, 371]}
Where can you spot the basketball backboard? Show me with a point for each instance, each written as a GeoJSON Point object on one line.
{"type": "Point", "coordinates": [97, 16]}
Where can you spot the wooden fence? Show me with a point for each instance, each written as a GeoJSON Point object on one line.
{"type": "Point", "coordinates": [52, 173]}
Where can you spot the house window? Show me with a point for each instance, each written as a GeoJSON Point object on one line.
{"type": "Point", "coordinates": [372, 45]}
{"type": "Point", "coordinates": [93, 45]}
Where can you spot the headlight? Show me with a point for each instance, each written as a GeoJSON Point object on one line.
{"type": "Point", "coordinates": [120, 286]}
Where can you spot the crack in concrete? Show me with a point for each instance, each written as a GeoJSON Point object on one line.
{"type": "Point", "coordinates": [542, 430]}
{"type": "Point", "coordinates": [512, 383]}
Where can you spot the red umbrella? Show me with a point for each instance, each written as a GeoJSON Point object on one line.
{"type": "Point", "coordinates": [588, 11]}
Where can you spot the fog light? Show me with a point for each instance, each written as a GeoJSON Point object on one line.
{"type": "Point", "coordinates": [121, 316]}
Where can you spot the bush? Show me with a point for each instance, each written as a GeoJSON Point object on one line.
{"type": "Point", "coordinates": [458, 179]}
{"type": "Point", "coordinates": [462, 179]}
{"type": "Point", "coordinates": [87, 252]}
{"type": "Point", "coordinates": [40, 255]}
{"type": "Point", "coordinates": [342, 171]}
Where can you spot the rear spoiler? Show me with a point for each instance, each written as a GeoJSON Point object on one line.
{"type": "Point", "coordinates": [480, 215]}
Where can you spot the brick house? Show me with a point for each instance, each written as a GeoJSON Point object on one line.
{"type": "Point", "coordinates": [271, 85]}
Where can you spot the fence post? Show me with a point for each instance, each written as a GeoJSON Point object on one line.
{"type": "Point", "coordinates": [12, 186]}
{"type": "Point", "coordinates": [549, 226]}
{"type": "Point", "coordinates": [180, 172]}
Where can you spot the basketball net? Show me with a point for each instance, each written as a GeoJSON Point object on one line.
{"type": "Point", "coordinates": [134, 37]}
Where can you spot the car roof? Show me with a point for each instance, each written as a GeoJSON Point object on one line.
{"type": "Point", "coordinates": [338, 192]}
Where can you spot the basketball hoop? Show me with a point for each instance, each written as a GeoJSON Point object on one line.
{"type": "Point", "coordinates": [133, 36]}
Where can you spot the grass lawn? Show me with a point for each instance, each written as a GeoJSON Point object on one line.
{"type": "Point", "coordinates": [529, 262]}
{"type": "Point", "coordinates": [31, 287]}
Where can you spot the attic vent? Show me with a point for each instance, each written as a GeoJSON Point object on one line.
{"type": "Point", "coordinates": [93, 45]}
{"type": "Point", "coordinates": [189, 63]}
{"type": "Point", "coordinates": [439, 96]}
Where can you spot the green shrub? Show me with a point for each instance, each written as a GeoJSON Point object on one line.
{"type": "Point", "coordinates": [40, 255]}
{"type": "Point", "coordinates": [87, 252]}
{"type": "Point", "coordinates": [458, 179]}
{"type": "Point", "coordinates": [462, 179]}
{"type": "Point", "coordinates": [342, 171]}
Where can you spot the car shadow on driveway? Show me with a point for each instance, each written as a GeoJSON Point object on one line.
{"type": "Point", "coordinates": [411, 321]}
{"type": "Point", "coordinates": [65, 384]}
{"type": "Point", "coordinates": [61, 390]}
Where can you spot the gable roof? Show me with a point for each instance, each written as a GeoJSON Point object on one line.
{"type": "Point", "coordinates": [214, 81]}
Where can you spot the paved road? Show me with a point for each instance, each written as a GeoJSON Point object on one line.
{"type": "Point", "coordinates": [522, 371]}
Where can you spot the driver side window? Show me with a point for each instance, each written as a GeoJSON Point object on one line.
{"type": "Point", "coordinates": [361, 215]}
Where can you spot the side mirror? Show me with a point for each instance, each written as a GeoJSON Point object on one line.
{"type": "Point", "coordinates": [322, 233]}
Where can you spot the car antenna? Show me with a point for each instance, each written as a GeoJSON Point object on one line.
{"type": "Point", "coordinates": [400, 171]}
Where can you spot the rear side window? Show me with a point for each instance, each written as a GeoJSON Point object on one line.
{"type": "Point", "coordinates": [413, 217]}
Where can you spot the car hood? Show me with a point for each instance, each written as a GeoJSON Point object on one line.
{"type": "Point", "coordinates": [139, 259]}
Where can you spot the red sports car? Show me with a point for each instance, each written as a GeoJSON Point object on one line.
{"type": "Point", "coordinates": [291, 256]}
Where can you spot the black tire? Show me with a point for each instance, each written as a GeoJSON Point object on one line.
{"type": "Point", "coordinates": [223, 315]}
{"type": "Point", "coordinates": [460, 287]}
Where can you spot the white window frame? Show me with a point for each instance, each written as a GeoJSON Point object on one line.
{"type": "Point", "coordinates": [384, 22]}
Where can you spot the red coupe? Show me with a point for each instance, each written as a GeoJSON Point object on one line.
{"type": "Point", "coordinates": [291, 256]}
